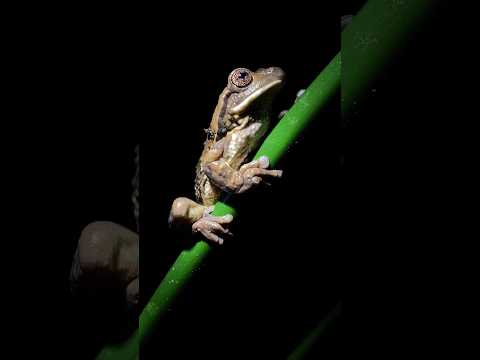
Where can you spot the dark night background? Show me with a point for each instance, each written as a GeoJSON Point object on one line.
{"type": "Point", "coordinates": [353, 200]}
{"type": "Point", "coordinates": [402, 161]}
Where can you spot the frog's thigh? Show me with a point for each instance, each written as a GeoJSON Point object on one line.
{"type": "Point", "coordinates": [185, 211]}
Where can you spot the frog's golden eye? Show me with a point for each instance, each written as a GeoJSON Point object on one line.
{"type": "Point", "coordinates": [241, 77]}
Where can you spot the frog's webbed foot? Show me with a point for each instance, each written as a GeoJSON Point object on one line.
{"type": "Point", "coordinates": [211, 227]}
{"type": "Point", "coordinates": [254, 172]}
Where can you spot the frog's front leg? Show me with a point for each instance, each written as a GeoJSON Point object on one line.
{"type": "Point", "coordinates": [239, 181]}
{"type": "Point", "coordinates": [216, 164]}
{"type": "Point", "coordinates": [185, 213]}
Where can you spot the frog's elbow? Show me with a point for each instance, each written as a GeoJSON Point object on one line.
{"type": "Point", "coordinates": [223, 176]}
{"type": "Point", "coordinates": [208, 168]}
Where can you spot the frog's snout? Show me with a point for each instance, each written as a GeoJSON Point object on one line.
{"type": "Point", "coordinates": [276, 70]}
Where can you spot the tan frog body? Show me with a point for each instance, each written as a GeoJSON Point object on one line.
{"type": "Point", "coordinates": [238, 125]}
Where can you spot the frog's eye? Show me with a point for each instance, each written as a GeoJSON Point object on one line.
{"type": "Point", "coordinates": [241, 77]}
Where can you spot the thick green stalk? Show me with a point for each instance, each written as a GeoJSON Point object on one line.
{"type": "Point", "coordinates": [175, 280]}
{"type": "Point", "coordinates": [316, 96]}
{"type": "Point", "coordinates": [375, 36]}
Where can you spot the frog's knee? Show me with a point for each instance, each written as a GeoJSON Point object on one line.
{"type": "Point", "coordinates": [179, 211]}
{"type": "Point", "coordinates": [97, 246]}
{"type": "Point", "coordinates": [180, 207]}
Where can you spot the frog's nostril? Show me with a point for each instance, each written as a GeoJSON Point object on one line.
{"type": "Point", "coordinates": [277, 71]}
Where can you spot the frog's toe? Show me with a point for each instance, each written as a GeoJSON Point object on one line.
{"type": "Point", "coordinates": [209, 235]}
{"type": "Point", "coordinates": [282, 114]}
{"type": "Point", "coordinates": [264, 162]}
{"type": "Point", "coordinates": [211, 228]}
{"type": "Point", "coordinates": [225, 219]}
{"type": "Point", "coordinates": [254, 172]}
{"type": "Point", "coordinates": [300, 93]}
{"type": "Point", "coordinates": [261, 163]}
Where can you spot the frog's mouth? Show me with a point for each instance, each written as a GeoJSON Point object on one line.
{"type": "Point", "coordinates": [244, 105]}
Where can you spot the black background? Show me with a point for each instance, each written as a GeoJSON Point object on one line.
{"type": "Point", "coordinates": [369, 187]}
{"type": "Point", "coordinates": [402, 161]}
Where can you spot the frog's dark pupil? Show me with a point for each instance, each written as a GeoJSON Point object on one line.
{"type": "Point", "coordinates": [241, 77]}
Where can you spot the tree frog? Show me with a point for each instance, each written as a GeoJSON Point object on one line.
{"type": "Point", "coordinates": [239, 123]}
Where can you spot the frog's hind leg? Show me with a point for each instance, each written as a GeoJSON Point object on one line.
{"type": "Point", "coordinates": [184, 212]}
{"type": "Point", "coordinates": [187, 213]}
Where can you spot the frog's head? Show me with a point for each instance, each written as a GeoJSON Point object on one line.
{"type": "Point", "coordinates": [253, 90]}
{"type": "Point", "coordinates": [248, 95]}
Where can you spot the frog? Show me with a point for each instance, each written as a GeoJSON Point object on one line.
{"type": "Point", "coordinates": [239, 124]}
